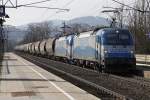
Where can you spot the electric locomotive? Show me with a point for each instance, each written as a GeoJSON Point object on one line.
{"type": "Point", "coordinates": [109, 49]}
{"type": "Point", "coordinates": [116, 50]}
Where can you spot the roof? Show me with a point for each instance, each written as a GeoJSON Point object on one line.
{"type": "Point", "coordinates": [113, 29]}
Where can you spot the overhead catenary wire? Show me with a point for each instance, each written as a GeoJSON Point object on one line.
{"type": "Point", "coordinates": [32, 3]}
{"type": "Point", "coordinates": [58, 10]}
{"type": "Point", "coordinates": [43, 14]}
{"type": "Point", "coordinates": [67, 4]}
{"type": "Point", "coordinates": [47, 7]}
{"type": "Point", "coordinates": [130, 6]}
{"type": "Point", "coordinates": [118, 8]}
{"type": "Point", "coordinates": [95, 9]}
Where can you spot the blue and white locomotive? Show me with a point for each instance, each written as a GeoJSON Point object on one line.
{"type": "Point", "coordinates": [107, 49]}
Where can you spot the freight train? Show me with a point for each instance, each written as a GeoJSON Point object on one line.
{"type": "Point", "coordinates": [106, 49]}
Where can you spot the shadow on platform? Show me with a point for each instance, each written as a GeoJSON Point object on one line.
{"type": "Point", "coordinates": [28, 79]}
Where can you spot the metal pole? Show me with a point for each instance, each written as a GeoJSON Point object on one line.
{"type": "Point", "coordinates": [16, 3]}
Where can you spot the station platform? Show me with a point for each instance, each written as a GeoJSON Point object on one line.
{"type": "Point", "coordinates": [23, 80]}
{"type": "Point", "coordinates": [144, 70]}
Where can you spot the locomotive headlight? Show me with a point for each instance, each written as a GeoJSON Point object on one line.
{"type": "Point", "coordinates": [105, 51]}
{"type": "Point", "coordinates": [131, 52]}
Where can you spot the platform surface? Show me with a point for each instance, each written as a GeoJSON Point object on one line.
{"type": "Point", "coordinates": [23, 80]}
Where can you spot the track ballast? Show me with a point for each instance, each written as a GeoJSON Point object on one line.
{"type": "Point", "coordinates": [102, 85]}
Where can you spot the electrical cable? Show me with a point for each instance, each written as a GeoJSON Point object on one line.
{"type": "Point", "coordinates": [62, 7]}
{"type": "Point", "coordinates": [130, 6]}
{"type": "Point", "coordinates": [34, 3]}
{"type": "Point", "coordinates": [47, 7]}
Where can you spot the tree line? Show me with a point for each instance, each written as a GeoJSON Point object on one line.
{"type": "Point", "coordinates": [45, 30]}
{"type": "Point", "coordinates": [139, 25]}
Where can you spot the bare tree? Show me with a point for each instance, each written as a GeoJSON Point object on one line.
{"type": "Point", "coordinates": [139, 24]}
{"type": "Point", "coordinates": [36, 32]}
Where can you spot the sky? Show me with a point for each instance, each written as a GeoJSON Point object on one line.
{"type": "Point", "coordinates": [78, 8]}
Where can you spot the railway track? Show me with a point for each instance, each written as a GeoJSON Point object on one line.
{"type": "Point", "coordinates": [105, 85]}
{"type": "Point", "coordinates": [135, 79]}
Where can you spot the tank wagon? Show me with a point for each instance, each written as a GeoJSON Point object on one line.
{"type": "Point", "coordinates": [33, 48]}
{"type": "Point", "coordinates": [30, 48]}
{"type": "Point", "coordinates": [42, 48]}
{"type": "Point", "coordinates": [37, 47]}
{"type": "Point", "coordinates": [49, 47]}
{"type": "Point", "coordinates": [107, 49]}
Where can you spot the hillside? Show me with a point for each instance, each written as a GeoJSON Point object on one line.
{"type": "Point", "coordinates": [17, 33]}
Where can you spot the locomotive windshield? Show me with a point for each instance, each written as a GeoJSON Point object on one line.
{"type": "Point", "coordinates": [117, 37]}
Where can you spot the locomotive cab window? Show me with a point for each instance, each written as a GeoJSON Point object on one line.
{"type": "Point", "coordinates": [121, 37]}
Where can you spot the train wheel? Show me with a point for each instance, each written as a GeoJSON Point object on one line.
{"type": "Point", "coordinates": [83, 64]}
{"type": "Point", "coordinates": [78, 63]}
{"type": "Point", "coordinates": [98, 67]}
{"type": "Point", "coordinates": [104, 68]}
